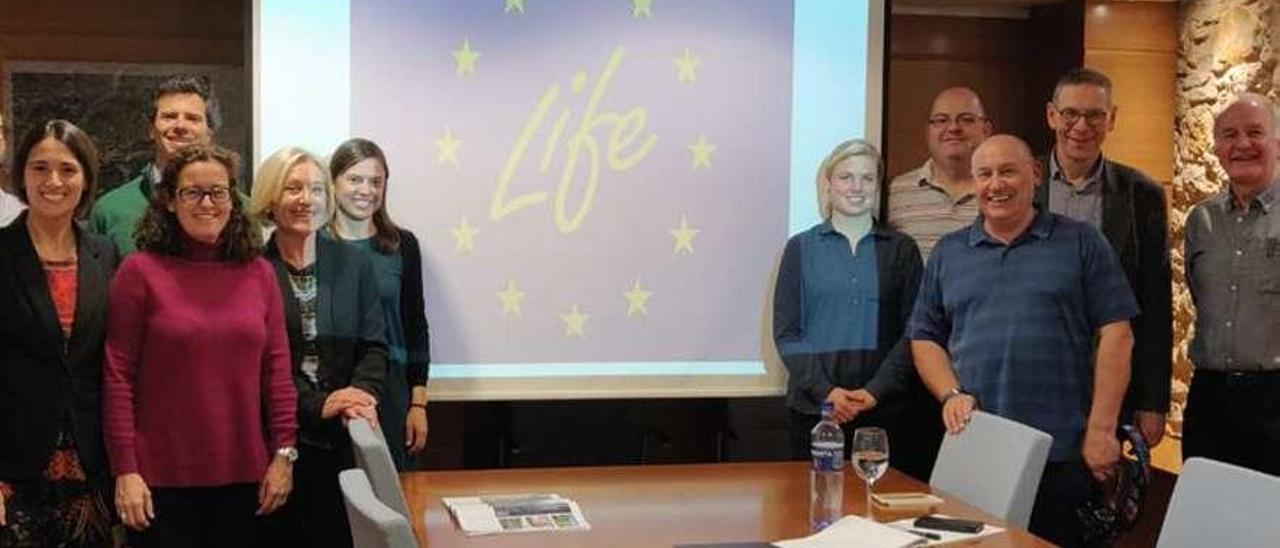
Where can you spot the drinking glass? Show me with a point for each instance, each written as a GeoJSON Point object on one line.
{"type": "Point", "coordinates": [870, 456]}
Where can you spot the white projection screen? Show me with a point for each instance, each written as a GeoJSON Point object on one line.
{"type": "Point", "coordinates": [601, 188]}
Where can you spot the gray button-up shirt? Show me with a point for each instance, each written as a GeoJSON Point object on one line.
{"type": "Point", "coordinates": [1233, 270]}
{"type": "Point", "coordinates": [1083, 203]}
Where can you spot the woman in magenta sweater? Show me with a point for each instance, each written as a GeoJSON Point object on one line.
{"type": "Point", "coordinates": [197, 367]}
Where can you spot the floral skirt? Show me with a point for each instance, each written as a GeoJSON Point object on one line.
{"type": "Point", "coordinates": [62, 508]}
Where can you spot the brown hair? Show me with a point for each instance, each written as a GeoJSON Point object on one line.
{"type": "Point", "coordinates": [159, 231]}
{"type": "Point", "coordinates": [183, 84]}
{"type": "Point", "coordinates": [73, 138]}
{"type": "Point", "coordinates": [386, 235]}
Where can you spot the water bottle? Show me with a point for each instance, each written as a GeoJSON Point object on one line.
{"type": "Point", "coordinates": [826, 476]}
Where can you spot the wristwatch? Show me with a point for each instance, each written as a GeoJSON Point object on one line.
{"type": "Point", "coordinates": [289, 454]}
{"type": "Point", "coordinates": [952, 393]}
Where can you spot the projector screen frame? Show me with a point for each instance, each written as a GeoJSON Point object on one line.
{"type": "Point", "coordinates": [772, 380]}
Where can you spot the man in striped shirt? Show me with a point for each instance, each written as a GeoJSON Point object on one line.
{"type": "Point", "coordinates": [937, 197]}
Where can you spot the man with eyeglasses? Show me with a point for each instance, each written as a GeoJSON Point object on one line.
{"type": "Point", "coordinates": [1129, 208]}
{"type": "Point", "coordinates": [1233, 270]}
{"type": "Point", "coordinates": [10, 205]}
{"type": "Point", "coordinates": [183, 113]}
{"type": "Point", "coordinates": [937, 197]}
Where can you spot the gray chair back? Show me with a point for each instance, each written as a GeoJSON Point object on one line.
{"type": "Point", "coordinates": [373, 524]}
{"type": "Point", "coordinates": [374, 458]}
{"type": "Point", "coordinates": [994, 464]}
{"type": "Point", "coordinates": [1220, 504]}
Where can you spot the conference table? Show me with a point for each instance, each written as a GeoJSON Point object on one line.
{"type": "Point", "coordinates": [665, 505]}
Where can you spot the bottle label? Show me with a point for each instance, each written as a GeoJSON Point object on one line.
{"type": "Point", "coordinates": [827, 459]}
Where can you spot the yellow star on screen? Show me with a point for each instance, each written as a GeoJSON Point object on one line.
{"type": "Point", "coordinates": [642, 8]}
{"type": "Point", "coordinates": [464, 236]}
{"type": "Point", "coordinates": [701, 151]}
{"type": "Point", "coordinates": [686, 68]}
{"type": "Point", "coordinates": [684, 237]}
{"type": "Point", "coordinates": [574, 322]}
{"type": "Point", "coordinates": [637, 298]}
{"type": "Point", "coordinates": [511, 298]}
{"type": "Point", "coordinates": [447, 148]}
{"type": "Point", "coordinates": [464, 58]}
{"type": "Point", "coordinates": [517, 5]}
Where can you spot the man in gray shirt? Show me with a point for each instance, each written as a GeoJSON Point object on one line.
{"type": "Point", "coordinates": [1233, 270]}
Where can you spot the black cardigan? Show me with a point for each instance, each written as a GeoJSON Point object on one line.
{"type": "Point", "coordinates": [351, 342]}
{"type": "Point", "coordinates": [45, 377]}
{"type": "Point", "coordinates": [413, 315]}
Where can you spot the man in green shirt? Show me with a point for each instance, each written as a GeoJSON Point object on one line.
{"type": "Point", "coordinates": [183, 113]}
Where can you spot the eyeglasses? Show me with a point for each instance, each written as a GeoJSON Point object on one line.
{"type": "Point", "coordinates": [964, 120]}
{"type": "Point", "coordinates": [1070, 115]}
{"type": "Point", "coordinates": [193, 195]}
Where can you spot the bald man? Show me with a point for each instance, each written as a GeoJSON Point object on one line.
{"type": "Point", "coordinates": [1006, 320]}
{"type": "Point", "coordinates": [937, 197]}
{"type": "Point", "coordinates": [10, 205]}
{"type": "Point", "coordinates": [1233, 270]}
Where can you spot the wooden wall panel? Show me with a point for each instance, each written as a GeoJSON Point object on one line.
{"type": "Point", "coordinates": [1144, 88]}
{"type": "Point", "coordinates": [124, 31]}
{"type": "Point", "coordinates": [1135, 43]}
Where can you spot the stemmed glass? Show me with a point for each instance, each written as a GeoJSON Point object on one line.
{"type": "Point", "coordinates": [870, 456]}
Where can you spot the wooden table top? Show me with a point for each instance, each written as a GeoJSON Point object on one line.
{"type": "Point", "coordinates": [664, 505]}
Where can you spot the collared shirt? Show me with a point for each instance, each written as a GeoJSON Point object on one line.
{"type": "Point", "coordinates": [1019, 321]}
{"type": "Point", "coordinates": [839, 317]}
{"type": "Point", "coordinates": [1082, 203]}
{"type": "Point", "coordinates": [921, 208]}
{"type": "Point", "coordinates": [1233, 270]}
{"type": "Point", "coordinates": [10, 208]}
{"type": "Point", "coordinates": [117, 213]}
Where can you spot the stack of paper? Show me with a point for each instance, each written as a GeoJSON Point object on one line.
{"type": "Point", "coordinates": [855, 531]}
{"type": "Point", "coordinates": [515, 514]}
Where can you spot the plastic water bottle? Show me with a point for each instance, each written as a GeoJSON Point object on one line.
{"type": "Point", "coordinates": [826, 476]}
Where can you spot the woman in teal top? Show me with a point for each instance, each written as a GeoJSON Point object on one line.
{"type": "Point", "coordinates": [359, 174]}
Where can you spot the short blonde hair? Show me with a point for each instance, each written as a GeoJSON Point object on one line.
{"type": "Point", "coordinates": [268, 184]}
{"type": "Point", "coordinates": [842, 152]}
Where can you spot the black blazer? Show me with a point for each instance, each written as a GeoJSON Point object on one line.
{"type": "Point", "coordinates": [351, 340]}
{"type": "Point", "coordinates": [45, 377]}
{"type": "Point", "coordinates": [1135, 221]}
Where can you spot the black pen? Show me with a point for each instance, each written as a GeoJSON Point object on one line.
{"type": "Point", "coordinates": [925, 534]}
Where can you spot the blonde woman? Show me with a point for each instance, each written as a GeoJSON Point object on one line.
{"type": "Point", "coordinates": [844, 293]}
{"type": "Point", "coordinates": [335, 329]}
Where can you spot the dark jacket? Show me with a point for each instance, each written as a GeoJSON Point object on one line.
{"type": "Point", "coordinates": [1135, 222]}
{"type": "Point", "coordinates": [44, 376]}
{"type": "Point", "coordinates": [350, 343]}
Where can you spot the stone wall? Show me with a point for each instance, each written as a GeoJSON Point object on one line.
{"type": "Point", "coordinates": [1226, 47]}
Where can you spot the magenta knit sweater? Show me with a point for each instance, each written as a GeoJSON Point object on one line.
{"type": "Point", "coordinates": [197, 366]}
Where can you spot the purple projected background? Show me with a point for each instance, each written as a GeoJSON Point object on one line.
{"type": "Point", "coordinates": [450, 127]}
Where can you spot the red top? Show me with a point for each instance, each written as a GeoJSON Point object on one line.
{"type": "Point", "coordinates": [197, 364]}
{"type": "Point", "coordinates": [61, 276]}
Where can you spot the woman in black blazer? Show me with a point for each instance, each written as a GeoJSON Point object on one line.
{"type": "Point", "coordinates": [53, 294]}
{"type": "Point", "coordinates": [336, 340]}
